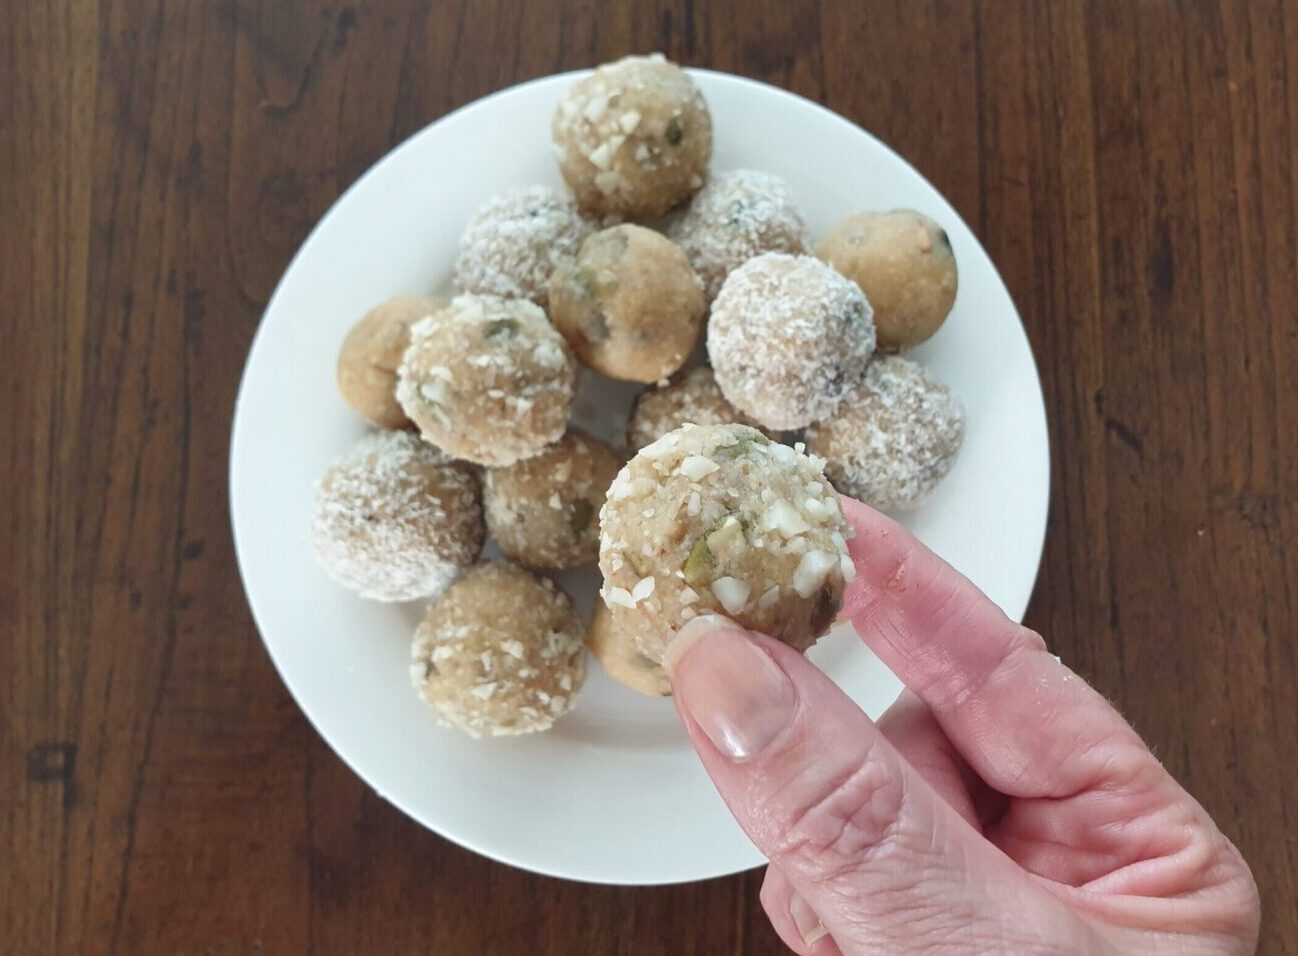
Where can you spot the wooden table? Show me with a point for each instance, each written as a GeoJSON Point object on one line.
{"type": "Point", "coordinates": [1129, 166]}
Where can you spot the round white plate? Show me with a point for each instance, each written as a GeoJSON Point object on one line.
{"type": "Point", "coordinates": [613, 794]}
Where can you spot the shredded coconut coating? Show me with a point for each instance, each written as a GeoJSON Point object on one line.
{"type": "Point", "coordinates": [894, 438]}
{"type": "Point", "coordinates": [788, 338]}
{"type": "Point", "coordinates": [719, 519]}
{"type": "Point", "coordinates": [487, 379]}
{"type": "Point", "coordinates": [543, 511]}
{"type": "Point", "coordinates": [629, 305]}
{"type": "Point", "coordinates": [693, 397]}
{"type": "Point", "coordinates": [903, 262]}
{"type": "Point", "coordinates": [500, 653]}
{"type": "Point", "coordinates": [621, 659]}
{"type": "Point", "coordinates": [395, 519]}
{"type": "Point", "coordinates": [371, 352]}
{"type": "Point", "coordinates": [737, 215]}
{"type": "Point", "coordinates": [514, 242]}
{"type": "Point", "coordinates": [633, 139]}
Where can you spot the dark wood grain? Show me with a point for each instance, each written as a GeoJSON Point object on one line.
{"type": "Point", "coordinates": [1129, 166]}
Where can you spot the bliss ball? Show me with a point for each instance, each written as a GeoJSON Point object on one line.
{"type": "Point", "coordinates": [895, 437]}
{"type": "Point", "coordinates": [720, 519]}
{"type": "Point", "coordinates": [514, 242]}
{"type": "Point", "coordinates": [621, 659]}
{"type": "Point", "coordinates": [487, 379]}
{"type": "Point", "coordinates": [903, 262]}
{"type": "Point", "coordinates": [633, 139]}
{"type": "Point", "coordinates": [629, 305]}
{"type": "Point", "coordinates": [693, 397]}
{"type": "Point", "coordinates": [395, 519]}
{"type": "Point", "coordinates": [737, 215]}
{"type": "Point", "coordinates": [788, 338]}
{"type": "Point", "coordinates": [500, 653]}
{"type": "Point", "coordinates": [544, 511]}
{"type": "Point", "coordinates": [371, 352]}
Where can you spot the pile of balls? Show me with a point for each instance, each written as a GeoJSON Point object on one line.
{"type": "Point", "coordinates": [728, 503]}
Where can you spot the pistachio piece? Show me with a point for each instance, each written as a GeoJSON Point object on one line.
{"type": "Point", "coordinates": [699, 564]}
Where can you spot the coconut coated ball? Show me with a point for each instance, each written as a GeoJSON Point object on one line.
{"type": "Point", "coordinates": [788, 338]}
{"type": "Point", "coordinates": [395, 519]}
{"type": "Point", "coordinates": [543, 511]}
{"type": "Point", "coordinates": [500, 653]}
{"type": "Point", "coordinates": [514, 242]}
{"type": "Point", "coordinates": [895, 437]}
{"type": "Point", "coordinates": [487, 379]}
{"type": "Point", "coordinates": [720, 519]}
{"type": "Point", "coordinates": [621, 659]}
{"type": "Point", "coordinates": [633, 139]}
{"type": "Point", "coordinates": [903, 262]}
{"type": "Point", "coordinates": [692, 397]}
{"type": "Point", "coordinates": [371, 352]}
{"type": "Point", "coordinates": [737, 215]}
{"type": "Point", "coordinates": [629, 305]}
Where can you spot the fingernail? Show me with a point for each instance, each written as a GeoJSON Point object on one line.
{"type": "Point", "coordinates": [810, 928]}
{"type": "Point", "coordinates": [729, 686]}
{"type": "Point", "coordinates": [693, 629]}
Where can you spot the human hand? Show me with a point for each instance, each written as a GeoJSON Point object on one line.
{"type": "Point", "coordinates": [1000, 805]}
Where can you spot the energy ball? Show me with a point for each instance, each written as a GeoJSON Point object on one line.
{"type": "Point", "coordinates": [693, 397]}
{"type": "Point", "coordinates": [720, 519]}
{"type": "Point", "coordinates": [903, 262]}
{"type": "Point", "coordinates": [621, 659]}
{"type": "Point", "coordinates": [737, 215]}
{"type": "Point", "coordinates": [894, 438]}
{"type": "Point", "coordinates": [543, 511]}
{"type": "Point", "coordinates": [371, 352]}
{"type": "Point", "coordinates": [514, 242]}
{"type": "Point", "coordinates": [788, 338]}
{"type": "Point", "coordinates": [633, 139]}
{"type": "Point", "coordinates": [499, 653]}
{"type": "Point", "coordinates": [629, 305]}
{"type": "Point", "coordinates": [395, 519]}
{"type": "Point", "coordinates": [487, 379]}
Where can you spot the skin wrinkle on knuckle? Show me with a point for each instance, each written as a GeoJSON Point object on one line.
{"type": "Point", "coordinates": [1163, 925]}
{"type": "Point", "coordinates": [1116, 762]}
{"type": "Point", "coordinates": [1199, 859]}
{"type": "Point", "coordinates": [1215, 874]}
{"type": "Point", "coordinates": [950, 688]}
{"type": "Point", "coordinates": [856, 816]}
{"type": "Point", "coordinates": [952, 605]}
{"type": "Point", "coordinates": [899, 908]}
{"type": "Point", "coordinates": [904, 916]}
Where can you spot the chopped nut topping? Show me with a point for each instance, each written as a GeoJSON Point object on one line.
{"type": "Point", "coordinates": [696, 466]}
{"type": "Point", "coordinates": [732, 593]}
{"type": "Point", "coordinates": [812, 571]}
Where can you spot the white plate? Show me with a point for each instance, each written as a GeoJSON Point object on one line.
{"type": "Point", "coordinates": [613, 794]}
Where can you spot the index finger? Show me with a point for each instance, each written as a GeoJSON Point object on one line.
{"type": "Point", "coordinates": [1024, 722]}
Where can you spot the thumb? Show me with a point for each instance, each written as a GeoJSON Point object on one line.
{"type": "Point", "coordinates": [878, 855]}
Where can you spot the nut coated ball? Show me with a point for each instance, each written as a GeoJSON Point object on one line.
{"type": "Point", "coordinates": [719, 519]}
{"type": "Point", "coordinates": [633, 139]}
{"type": "Point", "coordinates": [500, 653]}
{"type": "Point", "coordinates": [487, 380]}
